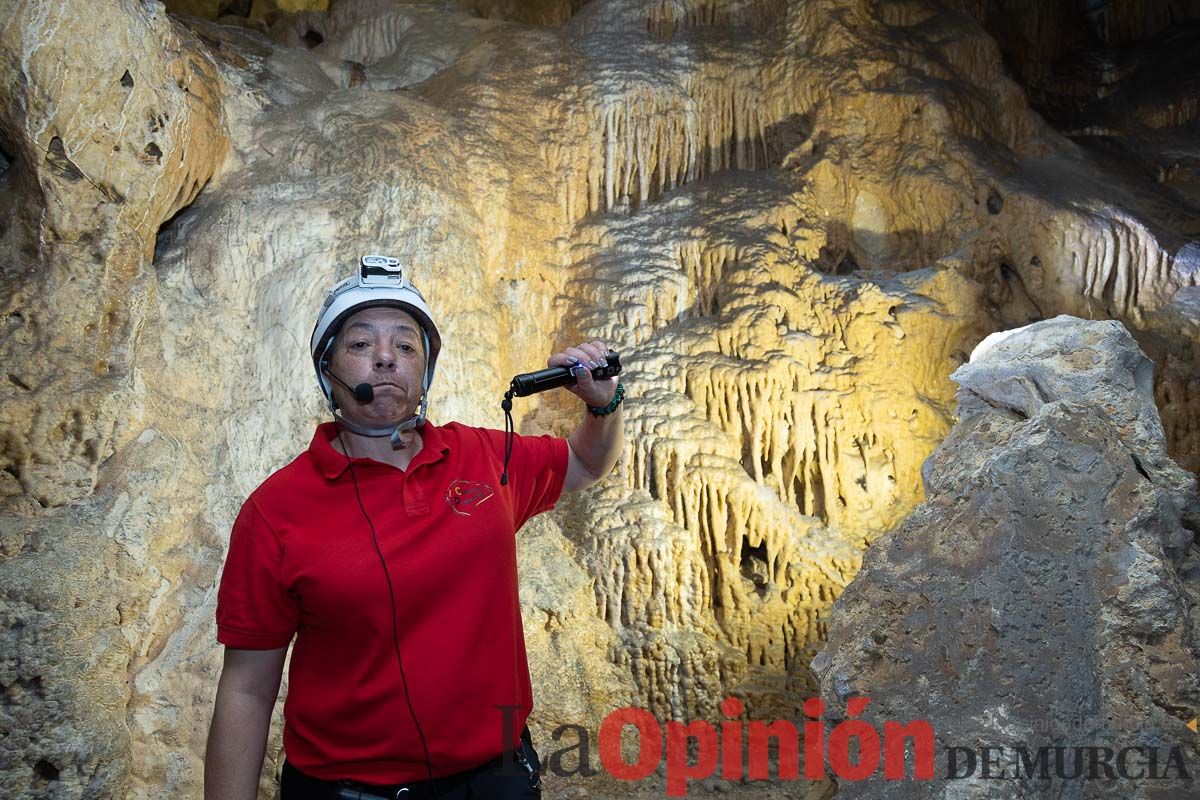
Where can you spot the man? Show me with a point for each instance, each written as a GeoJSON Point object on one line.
{"type": "Point", "coordinates": [388, 549]}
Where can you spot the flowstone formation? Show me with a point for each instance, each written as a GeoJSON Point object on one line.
{"type": "Point", "coordinates": [1047, 592]}
{"type": "Point", "coordinates": [793, 220]}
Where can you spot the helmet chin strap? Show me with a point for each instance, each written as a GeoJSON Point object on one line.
{"type": "Point", "coordinates": [415, 421]}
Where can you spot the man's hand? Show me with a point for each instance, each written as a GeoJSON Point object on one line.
{"type": "Point", "coordinates": [595, 445]}
{"type": "Point", "coordinates": [581, 360]}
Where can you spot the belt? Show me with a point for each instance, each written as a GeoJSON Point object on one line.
{"type": "Point", "coordinates": [346, 789]}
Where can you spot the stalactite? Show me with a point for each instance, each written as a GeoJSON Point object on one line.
{"type": "Point", "coordinates": [1120, 265]}
{"type": "Point", "coordinates": [666, 18]}
{"type": "Point", "coordinates": [707, 494]}
{"type": "Point", "coordinates": [647, 139]}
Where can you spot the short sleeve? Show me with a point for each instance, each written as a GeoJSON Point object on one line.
{"type": "Point", "coordinates": [536, 472]}
{"type": "Point", "coordinates": [254, 609]}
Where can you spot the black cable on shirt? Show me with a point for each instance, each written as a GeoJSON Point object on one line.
{"type": "Point", "coordinates": [395, 623]}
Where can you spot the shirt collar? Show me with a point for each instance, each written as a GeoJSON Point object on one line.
{"type": "Point", "coordinates": [332, 464]}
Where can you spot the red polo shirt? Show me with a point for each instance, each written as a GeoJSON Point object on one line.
{"type": "Point", "coordinates": [302, 562]}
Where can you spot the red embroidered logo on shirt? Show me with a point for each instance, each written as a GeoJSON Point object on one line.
{"type": "Point", "coordinates": [463, 495]}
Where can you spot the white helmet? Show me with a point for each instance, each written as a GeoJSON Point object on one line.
{"type": "Point", "coordinates": [379, 282]}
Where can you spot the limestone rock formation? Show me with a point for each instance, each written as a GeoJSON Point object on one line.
{"type": "Point", "coordinates": [98, 153]}
{"type": "Point", "coordinates": [1047, 592]}
{"type": "Point", "coordinates": [793, 219]}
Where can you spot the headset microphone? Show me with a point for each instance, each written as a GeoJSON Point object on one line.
{"type": "Point", "coordinates": [363, 393]}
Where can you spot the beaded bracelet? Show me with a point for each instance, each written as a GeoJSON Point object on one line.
{"type": "Point", "coordinates": [602, 411]}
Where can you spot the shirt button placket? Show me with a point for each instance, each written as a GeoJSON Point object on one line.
{"type": "Point", "coordinates": [414, 498]}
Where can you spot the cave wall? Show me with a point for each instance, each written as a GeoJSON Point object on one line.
{"type": "Point", "coordinates": [1045, 593]}
{"type": "Point", "coordinates": [794, 221]}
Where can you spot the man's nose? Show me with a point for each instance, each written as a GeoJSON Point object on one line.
{"type": "Point", "coordinates": [385, 356]}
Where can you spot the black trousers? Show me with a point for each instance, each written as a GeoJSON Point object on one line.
{"type": "Point", "coordinates": [516, 778]}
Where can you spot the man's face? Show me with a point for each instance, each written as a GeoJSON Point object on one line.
{"type": "Point", "coordinates": [382, 347]}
